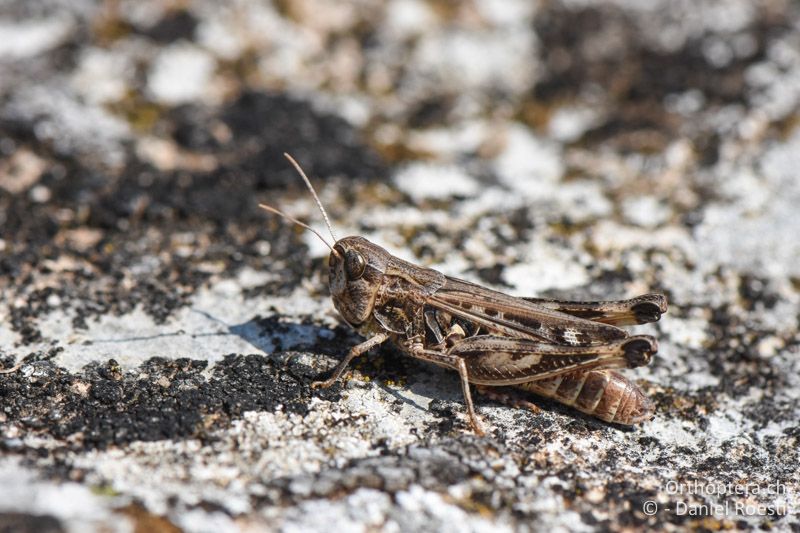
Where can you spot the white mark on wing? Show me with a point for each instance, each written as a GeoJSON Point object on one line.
{"type": "Point", "coordinates": [571, 336]}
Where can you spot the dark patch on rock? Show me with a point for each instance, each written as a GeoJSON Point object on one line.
{"type": "Point", "coordinates": [521, 222]}
{"type": "Point", "coordinates": [492, 275]}
{"type": "Point", "coordinates": [733, 357]}
{"type": "Point", "coordinates": [259, 127]}
{"type": "Point", "coordinates": [755, 292]}
{"type": "Point", "coordinates": [175, 25]}
{"type": "Point", "coordinates": [431, 112]}
{"type": "Point", "coordinates": [29, 523]}
{"type": "Point", "coordinates": [103, 405]}
{"type": "Point", "coordinates": [446, 411]}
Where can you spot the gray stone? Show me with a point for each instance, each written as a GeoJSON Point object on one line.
{"type": "Point", "coordinates": [168, 330]}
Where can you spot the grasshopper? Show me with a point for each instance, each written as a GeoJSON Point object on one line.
{"type": "Point", "coordinates": [558, 349]}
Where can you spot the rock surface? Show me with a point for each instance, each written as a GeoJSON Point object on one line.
{"type": "Point", "coordinates": [167, 330]}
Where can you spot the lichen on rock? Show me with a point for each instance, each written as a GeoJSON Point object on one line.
{"type": "Point", "coordinates": [167, 330]}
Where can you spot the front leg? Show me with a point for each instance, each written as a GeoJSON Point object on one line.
{"type": "Point", "coordinates": [354, 352]}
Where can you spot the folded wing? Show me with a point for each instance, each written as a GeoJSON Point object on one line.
{"type": "Point", "coordinates": [508, 316]}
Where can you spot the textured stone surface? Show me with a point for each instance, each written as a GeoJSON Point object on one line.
{"type": "Point", "coordinates": [167, 330]}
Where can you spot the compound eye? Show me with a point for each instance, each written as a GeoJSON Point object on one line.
{"type": "Point", "coordinates": [354, 265]}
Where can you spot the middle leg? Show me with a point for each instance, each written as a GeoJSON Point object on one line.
{"type": "Point", "coordinates": [456, 363]}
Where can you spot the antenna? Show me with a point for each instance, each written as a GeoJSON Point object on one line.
{"type": "Point", "coordinates": [301, 224]}
{"type": "Point", "coordinates": [313, 193]}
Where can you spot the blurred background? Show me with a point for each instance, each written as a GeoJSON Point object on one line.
{"type": "Point", "coordinates": [149, 127]}
{"type": "Point", "coordinates": [585, 149]}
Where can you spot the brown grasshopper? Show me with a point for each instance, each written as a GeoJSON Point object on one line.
{"type": "Point", "coordinates": [557, 349]}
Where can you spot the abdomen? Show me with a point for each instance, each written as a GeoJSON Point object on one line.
{"type": "Point", "coordinates": [605, 394]}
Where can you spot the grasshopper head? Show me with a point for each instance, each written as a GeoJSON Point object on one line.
{"type": "Point", "coordinates": [356, 268]}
